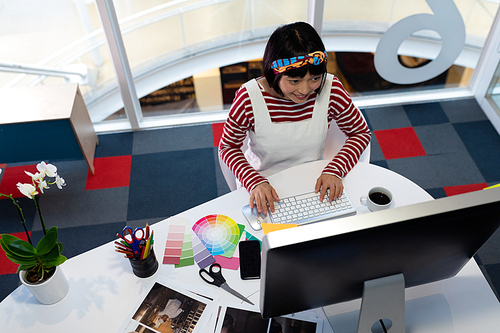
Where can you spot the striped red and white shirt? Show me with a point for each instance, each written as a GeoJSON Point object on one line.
{"type": "Point", "coordinates": [340, 109]}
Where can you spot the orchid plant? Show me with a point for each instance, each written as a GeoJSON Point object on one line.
{"type": "Point", "coordinates": [39, 183]}
{"type": "Point", "coordinates": [39, 262]}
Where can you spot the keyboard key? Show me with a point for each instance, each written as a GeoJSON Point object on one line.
{"type": "Point", "coordinates": [306, 208]}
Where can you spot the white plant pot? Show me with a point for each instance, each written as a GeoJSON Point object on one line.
{"type": "Point", "coordinates": [50, 291]}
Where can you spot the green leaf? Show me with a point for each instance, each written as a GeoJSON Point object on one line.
{"type": "Point", "coordinates": [21, 260]}
{"type": "Point", "coordinates": [59, 260]}
{"type": "Point", "coordinates": [7, 238]}
{"type": "Point", "coordinates": [53, 254]}
{"type": "Point", "coordinates": [24, 267]}
{"type": "Point", "coordinates": [14, 252]}
{"type": "Point", "coordinates": [22, 248]}
{"type": "Point", "coordinates": [5, 248]}
{"type": "Point", "coordinates": [47, 242]}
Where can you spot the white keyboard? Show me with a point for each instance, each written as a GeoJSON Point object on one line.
{"type": "Point", "coordinates": [306, 208]}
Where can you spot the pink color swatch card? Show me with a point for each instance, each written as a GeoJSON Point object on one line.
{"type": "Point", "coordinates": [175, 238]}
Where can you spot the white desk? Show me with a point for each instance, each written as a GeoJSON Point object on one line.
{"type": "Point", "coordinates": [103, 289]}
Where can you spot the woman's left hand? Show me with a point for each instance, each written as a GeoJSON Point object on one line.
{"type": "Point", "coordinates": [331, 182]}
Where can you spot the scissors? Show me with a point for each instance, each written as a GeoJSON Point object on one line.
{"type": "Point", "coordinates": [214, 276]}
{"type": "Point", "coordinates": [134, 238]}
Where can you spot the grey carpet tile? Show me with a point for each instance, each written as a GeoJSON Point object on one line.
{"type": "Point", "coordinates": [85, 208]}
{"type": "Point", "coordinates": [382, 118]}
{"type": "Point", "coordinates": [463, 110]}
{"type": "Point", "coordinates": [222, 187]}
{"type": "Point", "coordinates": [440, 139]}
{"type": "Point", "coordinates": [376, 153]}
{"type": "Point", "coordinates": [172, 139]}
{"type": "Point", "coordinates": [438, 170]}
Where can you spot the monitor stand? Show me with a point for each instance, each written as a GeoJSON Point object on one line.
{"type": "Point", "coordinates": [383, 305]}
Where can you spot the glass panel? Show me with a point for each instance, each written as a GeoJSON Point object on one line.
{"type": "Point", "coordinates": [358, 10]}
{"type": "Point", "coordinates": [478, 17]}
{"type": "Point", "coordinates": [356, 71]}
{"type": "Point", "coordinates": [160, 34]}
{"type": "Point", "coordinates": [271, 13]}
{"type": "Point", "coordinates": [59, 35]}
{"type": "Point", "coordinates": [175, 98]}
{"type": "Point", "coordinates": [360, 19]}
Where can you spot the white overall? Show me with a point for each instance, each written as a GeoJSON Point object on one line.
{"type": "Point", "coordinates": [274, 147]}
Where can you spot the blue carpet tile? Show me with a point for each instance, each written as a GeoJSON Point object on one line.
{"type": "Point", "coordinates": [181, 179]}
{"type": "Point", "coordinates": [146, 176]}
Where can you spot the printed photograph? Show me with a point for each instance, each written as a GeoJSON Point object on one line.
{"type": "Point", "coordinates": [168, 311]}
{"type": "Point", "coordinates": [243, 321]}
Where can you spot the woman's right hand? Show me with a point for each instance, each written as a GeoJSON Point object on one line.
{"type": "Point", "coordinates": [262, 195]}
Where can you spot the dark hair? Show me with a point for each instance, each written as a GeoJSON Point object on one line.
{"type": "Point", "coordinates": [291, 40]}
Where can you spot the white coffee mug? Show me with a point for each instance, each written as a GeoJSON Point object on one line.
{"type": "Point", "coordinates": [378, 198]}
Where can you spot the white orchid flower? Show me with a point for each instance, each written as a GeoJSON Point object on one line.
{"type": "Point", "coordinates": [27, 189]}
{"type": "Point", "coordinates": [49, 169]}
{"type": "Point", "coordinates": [60, 182]}
{"type": "Point", "coordinates": [37, 177]}
{"type": "Point", "coordinates": [0, 171]}
{"type": "Point", "coordinates": [42, 185]}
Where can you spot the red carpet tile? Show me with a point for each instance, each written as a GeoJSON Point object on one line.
{"type": "Point", "coordinates": [454, 190]}
{"type": "Point", "coordinates": [399, 143]}
{"type": "Point", "coordinates": [7, 266]}
{"type": "Point", "coordinates": [13, 175]}
{"type": "Point", "coordinates": [217, 129]}
{"type": "Point", "coordinates": [110, 172]}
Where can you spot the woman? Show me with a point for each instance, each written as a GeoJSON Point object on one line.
{"type": "Point", "coordinates": [287, 113]}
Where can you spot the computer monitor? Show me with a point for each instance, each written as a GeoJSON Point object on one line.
{"type": "Point", "coordinates": [328, 262]}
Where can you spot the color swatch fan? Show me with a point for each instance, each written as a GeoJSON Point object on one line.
{"type": "Point", "coordinates": [218, 233]}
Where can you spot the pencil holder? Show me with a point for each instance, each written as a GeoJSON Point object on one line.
{"type": "Point", "coordinates": [146, 267]}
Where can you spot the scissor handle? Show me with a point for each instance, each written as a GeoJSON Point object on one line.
{"type": "Point", "coordinates": [135, 235]}
{"type": "Point", "coordinates": [141, 236]}
{"type": "Point", "coordinates": [128, 235]}
{"type": "Point", "coordinates": [213, 275]}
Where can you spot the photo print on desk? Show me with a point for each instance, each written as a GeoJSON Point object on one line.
{"type": "Point", "coordinates": [165, 309]}
{"type": "Point", "coordinates": [233, 320]}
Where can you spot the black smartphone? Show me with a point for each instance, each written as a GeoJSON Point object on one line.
{"type": "Point", "coordinates": [249, 259]}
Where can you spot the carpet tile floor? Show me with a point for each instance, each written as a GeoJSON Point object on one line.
{"type": "Point", "coordinates": [447, 148]}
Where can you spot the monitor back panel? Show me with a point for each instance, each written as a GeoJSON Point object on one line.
{"type": "Point", "coordinates": [328, 269]}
